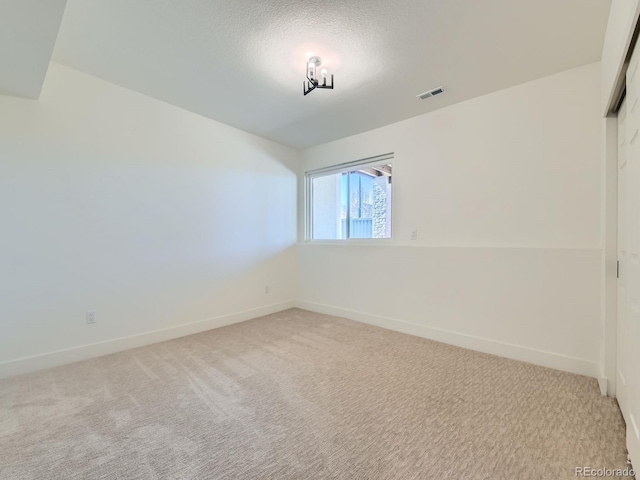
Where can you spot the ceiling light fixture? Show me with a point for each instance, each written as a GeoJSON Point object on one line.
{"type": "Point", "coordinates": [312, 81]}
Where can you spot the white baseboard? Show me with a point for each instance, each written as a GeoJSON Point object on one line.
{"type": "Point", "coordinates": [515, 352]}
{"type": "Point", "coordinates": [84, 352]}
{"type": "Point", "coordinates": [602, 383]}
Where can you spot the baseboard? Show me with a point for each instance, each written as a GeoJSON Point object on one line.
{"type": "Point", "coordinates": [516, 352]}
{"type": "Point", "coordinates": [70, 355]}
{"type": "Point", "coordinates": [602, 384]}
{"type": "Point", "coordinates": [507, 350]}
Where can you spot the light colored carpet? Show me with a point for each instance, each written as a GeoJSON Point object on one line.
{"type": "Point", "coordinates": [298, 395]}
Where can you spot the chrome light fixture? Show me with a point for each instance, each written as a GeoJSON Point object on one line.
{"type": "Point", "coordinates": [312, 81]}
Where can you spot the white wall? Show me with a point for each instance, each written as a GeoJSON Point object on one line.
{"type": "Point", "coordinates": [151, 215]}
{"type": "Point", "coordinates": [504, 191]}
{"type": "Point", "coordinates": [28, 33]}
{"type": "Point", "coordinates": [114, 201]}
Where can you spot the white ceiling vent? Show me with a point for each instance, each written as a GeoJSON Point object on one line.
{"type": "Point", "coordinates": [431, 93]}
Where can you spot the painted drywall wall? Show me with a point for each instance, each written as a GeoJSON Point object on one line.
{"type": "Point", "coordinates": [504, 191]}
{"type": "Point", "coordinates": [623, 17]}
{"type": "Point", "coordinates": [153, 216]}
{"type": "Point", "coordinates": [28, 32]}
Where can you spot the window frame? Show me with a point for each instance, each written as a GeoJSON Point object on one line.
{"type": "Point", "coordinates": [310, 175]}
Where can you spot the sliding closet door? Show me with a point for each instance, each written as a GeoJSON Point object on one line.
{"type": "Point", "coordinates": [629, 313]}
{"type": "Point", "coordinates": [622, 363]}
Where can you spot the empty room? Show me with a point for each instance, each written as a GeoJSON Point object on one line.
{"type": "Point", "coordinates": [319, 239]}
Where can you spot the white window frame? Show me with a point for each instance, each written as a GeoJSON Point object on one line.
{"type": "Point", "coordinates": [332, 170]}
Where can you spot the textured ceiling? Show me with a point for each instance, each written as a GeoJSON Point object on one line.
{"type": "Point", "coordinates": [242, 62]}
{"type": "Point", "coordinates": [28, 30]}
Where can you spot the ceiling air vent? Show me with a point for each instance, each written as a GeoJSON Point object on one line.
{"type": "Point", "coordinates": [431, 93]}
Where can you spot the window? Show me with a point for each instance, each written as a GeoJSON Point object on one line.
{"type": "Point", "coordinates": [351, 200]}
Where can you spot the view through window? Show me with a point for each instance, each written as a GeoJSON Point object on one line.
{"type": "Point", "coordinates": [353, 203]}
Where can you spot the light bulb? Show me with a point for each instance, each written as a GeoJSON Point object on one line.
{"type": "Point", "coordinates": [323, 72]}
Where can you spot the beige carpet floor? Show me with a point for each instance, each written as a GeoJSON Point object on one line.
{"type": "Point", "coordinates": [298, 395]}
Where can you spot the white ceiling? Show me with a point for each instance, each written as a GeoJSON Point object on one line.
{"type": "Point", "coordinates": [28, 30]}
{"type": "Point", "coordinates": [242, 62]}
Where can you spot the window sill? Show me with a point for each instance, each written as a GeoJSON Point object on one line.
{"type": "Point", "coordinates": [354, 242]}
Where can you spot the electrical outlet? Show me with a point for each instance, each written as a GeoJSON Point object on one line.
{"type": "Point", "coordinates": [266, 289]}
{"type": "Point", "coordinates": [414, 234]}
{"type": "Point", "coordinates": [91, 316]}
